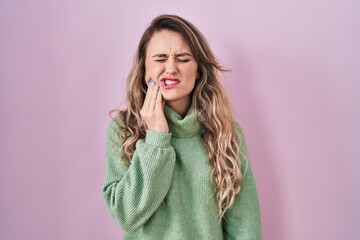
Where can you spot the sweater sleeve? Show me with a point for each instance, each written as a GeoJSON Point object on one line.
{"type": "Point", "coordinates": [242, 221]}
{"type": "Point", "coordinates": [133, 193]}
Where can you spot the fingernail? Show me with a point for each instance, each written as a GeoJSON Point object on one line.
{"type": "Point", "coordinates": [151, 81]}
{"type": "Point", "coordinates": [159, 89]}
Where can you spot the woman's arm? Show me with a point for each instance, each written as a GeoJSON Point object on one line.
{"type": "Point", "coordinates": [243, 221]}
{"type": "Point", "coordinates": [132, 194]}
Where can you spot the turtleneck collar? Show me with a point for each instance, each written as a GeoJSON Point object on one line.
{"type": "Point", "coordinates": [182, 127]}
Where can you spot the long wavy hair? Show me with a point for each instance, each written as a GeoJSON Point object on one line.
{"type": "Point", "coordinates": [211, 104]}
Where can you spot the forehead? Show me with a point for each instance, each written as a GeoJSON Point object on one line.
{"type": "Point", "coordinates": [168, 42]}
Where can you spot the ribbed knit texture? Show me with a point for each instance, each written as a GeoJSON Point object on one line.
{"type": "Point", "coordinates": [166, 192]}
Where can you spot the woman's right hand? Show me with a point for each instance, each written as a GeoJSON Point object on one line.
{"type": "Point", "coordinates": [152, 112]}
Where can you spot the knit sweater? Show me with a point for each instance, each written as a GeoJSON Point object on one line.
{"type": "Point", "coordinates": [167, 193]}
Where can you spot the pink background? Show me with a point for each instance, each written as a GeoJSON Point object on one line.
{"type": "Point", "coordinates": [295, 87]}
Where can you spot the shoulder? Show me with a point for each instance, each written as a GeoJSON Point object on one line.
{"type": "Point", "coordinates": [115, 122]}
{"type": "Point", "coordinates": [115, 126]}
{"type": "Point", "coordinates": [240, 131]}
{"type": "Point", "coordinates": [243, 148]}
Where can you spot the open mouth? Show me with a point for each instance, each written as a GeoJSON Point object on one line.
{"type": "Point", "coordinates": [168, 83]}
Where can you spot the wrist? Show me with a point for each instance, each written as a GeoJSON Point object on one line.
{"type": "Point", "coordinates": [157, 138]}
{"type": "Point", "coordinates": [160, 129]}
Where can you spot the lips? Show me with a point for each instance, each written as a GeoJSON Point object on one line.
{"type": "Point", "coordinates": [168, 83]}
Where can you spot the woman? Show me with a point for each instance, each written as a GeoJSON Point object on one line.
{"type": "Point", "coordinates": [177, 163]}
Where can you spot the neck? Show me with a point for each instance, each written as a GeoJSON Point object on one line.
{"type": "Point", "coordinates": [181, 107]}
{"type": "Point", "coordinates": [179, 126]}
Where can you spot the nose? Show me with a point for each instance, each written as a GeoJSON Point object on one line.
{"type": "Point", "coordinates": [171, 67]}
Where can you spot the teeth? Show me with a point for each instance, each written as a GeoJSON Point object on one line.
{"type": "Point", "coordinates": [167, 82]}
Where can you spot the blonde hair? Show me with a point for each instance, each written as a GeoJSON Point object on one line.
{"type": "Point", "coordinates": [212, 106]}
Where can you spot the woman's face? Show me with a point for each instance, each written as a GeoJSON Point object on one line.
{"type": "Point", "coordinates": [169, 61]}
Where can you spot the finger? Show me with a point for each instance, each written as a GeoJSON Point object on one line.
{"type": "Point", "coordinates": [159, 99]}
{"type": "Point", "coordinates": [148, 94]}
{"type": "Point", "coordinates": [152, 97]}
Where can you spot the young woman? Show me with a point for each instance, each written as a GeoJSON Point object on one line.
{"type": "Point", "coordinates": [177, 164]}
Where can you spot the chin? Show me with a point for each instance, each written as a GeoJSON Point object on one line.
{"type": "Point", "coordinates": [171, 98]}
{"type": "Point", "coordinates": [175, 97]}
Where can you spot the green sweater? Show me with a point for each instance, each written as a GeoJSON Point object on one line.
{"type": "Point", "coordinates": [166, 192]}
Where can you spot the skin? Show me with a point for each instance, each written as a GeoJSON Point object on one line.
{"type": "Point", "coordinates": [167, 55]}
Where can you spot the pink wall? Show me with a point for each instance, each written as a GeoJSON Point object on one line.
{"type": "Point", "coordinates": [295, 87]}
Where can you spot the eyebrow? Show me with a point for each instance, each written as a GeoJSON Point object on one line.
{"type": "Point", "coordinates": [176, 55]}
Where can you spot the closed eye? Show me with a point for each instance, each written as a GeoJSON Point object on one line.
{"type": "Point", "coordinates": [184, 60]}
{"type": "Point", "coordinates": [160, 60]}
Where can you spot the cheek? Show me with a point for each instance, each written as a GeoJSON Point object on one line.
{"type": "Point", "coordinates": [191, 71]}
{"type": "Point", "coordinates": [152, 70]}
